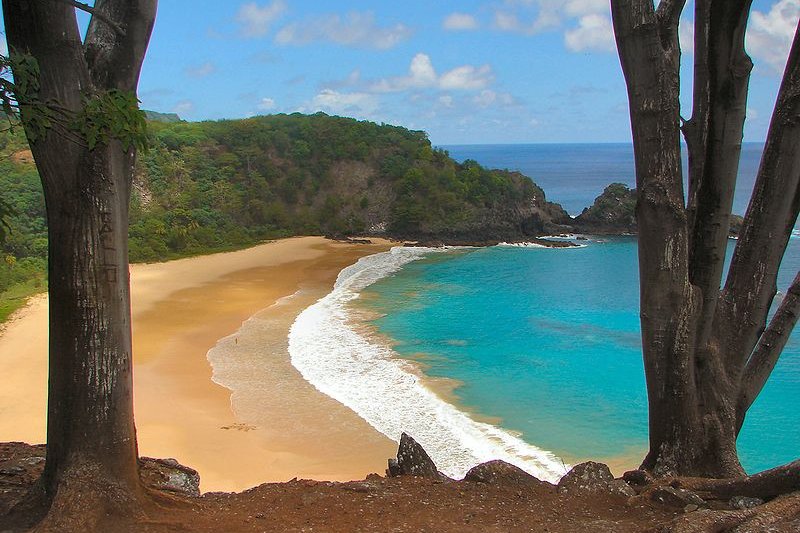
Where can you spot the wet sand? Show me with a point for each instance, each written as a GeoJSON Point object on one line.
{"type": "Point", "coordinates": [283, 427]}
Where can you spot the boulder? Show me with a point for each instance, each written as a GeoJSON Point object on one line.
{"type": "Point", "coordinates": [586, 477]}
{"type": "Point", "coordinates": [412, 460]}
{"type": "Point", "coordinates": [170, 475]}
{"type": "Point", "coordinates": [678, 498]}
{"type": "Point", "coordinates": [502, 473]}
{"type": "Point", "coordinates": [638, 477]}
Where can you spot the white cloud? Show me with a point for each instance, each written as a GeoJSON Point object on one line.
{"type": "Point", "coordinates": [460, 22]}
{"type": "Point", "coordinates": [183, 107]}
{"type": "Point", "coordinates": [530, 17]}
{"type": "Point", "coordinates": [422, 75]}
{"type": "Point", "coordinates": [488, 97]}
{"type": "Point", "coordinates": [466, 77]}
{"type": "Point", "coordinates": [580, 8]}
{"type": "Point", "coordinates": [355, 29]}
{"type": "Point", "coordinates": [356, 104]}
{"type": "Point", "coordinates": [594, 32]}
{"type": "Point", "coordinates": [769, 35]}
{"type": "Point", "coordinates": [256, 20]}
{"type": "Point", "coordinates": [201, 71]}
{"type": "Point", "coordinates": [511, 22]}
{"type": "Point", "coordinates": [266, 104]}
{"type": "Point", "coordinates": [3, 46]}
{"type": "Point", "coordinates": [446, 100]}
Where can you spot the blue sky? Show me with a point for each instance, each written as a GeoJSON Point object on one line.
{"type": "Point", "coordinates": [471, 71]}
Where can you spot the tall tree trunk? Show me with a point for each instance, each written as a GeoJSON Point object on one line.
{"type": "Point", "coordinates": [91, 468]}
{"type": "Point", "coordinates": [698, 341]}
{"type": "Point", "coordinates": [91, 435]}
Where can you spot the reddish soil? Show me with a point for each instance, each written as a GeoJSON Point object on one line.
{"type": "Point", "coordinates": [377, 504]}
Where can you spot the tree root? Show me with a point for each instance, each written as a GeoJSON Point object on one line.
{"type": "Point", "coordinates": [781, 515]}
{"type": "Point", "coordinates": [765, 485]}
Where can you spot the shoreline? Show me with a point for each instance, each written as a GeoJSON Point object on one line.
{"type": "Point", "coordinates": [180, 311]}
{"type": "Point", "coordinates": [446, 390]}
{"type": "Point", "coordinates": [197, 322]}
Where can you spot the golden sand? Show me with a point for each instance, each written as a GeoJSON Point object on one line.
{"type": "Point", "coordinates": [181, 309]}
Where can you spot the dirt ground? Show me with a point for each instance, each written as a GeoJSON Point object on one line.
{"type": "Point", "coordinates": [499, 499]}
{"type": "Point", "coordinates": [380, 504]}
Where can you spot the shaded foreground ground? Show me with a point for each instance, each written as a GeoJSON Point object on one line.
{"type": "Point", "coordinates": [376, 504]}
{"type": "Point", "coordinates": [494, 497]}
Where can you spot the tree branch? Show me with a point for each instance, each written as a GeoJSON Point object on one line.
{"type": "Point", "coordinates": [745, 302]}
{"type": "Point", "coordinates": [115, 60]}
{"type": "Point", "coordinates": [769, 349]}
{"type": "Point", "coordinates": [96, 13]}
{"type": "Point", "coordinates": [722, 75]}
{"type": "Point", "coordinates": [669, 12]}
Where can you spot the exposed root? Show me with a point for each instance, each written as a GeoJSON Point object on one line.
{"type": "Point", "coordinates": [765, 485]}
{"type": "Point", "coordinates": [780, 515]}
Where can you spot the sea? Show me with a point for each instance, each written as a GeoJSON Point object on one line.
{"type": "Point", "coordinates": [522, 353]}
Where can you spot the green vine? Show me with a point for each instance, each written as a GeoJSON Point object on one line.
{"type": "Point", "coordinates": [105, 115]}
{"type": "Point", "coordinates": [110, 115]}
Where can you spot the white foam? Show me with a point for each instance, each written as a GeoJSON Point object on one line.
{"type": "Point", "coordinates": [387, 392]}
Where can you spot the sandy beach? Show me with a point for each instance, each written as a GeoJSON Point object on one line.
{"type": "Point", "coordinates": [181, 310]}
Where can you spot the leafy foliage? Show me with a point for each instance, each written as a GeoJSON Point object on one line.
{"type": "Point", "coordinates": [107, 115]}
{"type": "Point", "coordinates": [23, 259]}
{"type": "Point", "coordinates": [110, 115]}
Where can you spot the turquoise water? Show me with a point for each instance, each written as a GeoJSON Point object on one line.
{"type": "Point", "coordinates": [548, 342]}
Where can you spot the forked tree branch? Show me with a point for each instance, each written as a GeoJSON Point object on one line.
{"type": "Point", "coordinates": [722, 75]}
{"type": "Point", "coordinates": [771, 215]}
{"type": "Point", "coordinates": [96, 13]}
{"type": "Point", "coordinates": [669, 12]}
{"type": "Point", "coordinates": [768, 350]}
{"type": "Point", "coordinates": [115, 60]}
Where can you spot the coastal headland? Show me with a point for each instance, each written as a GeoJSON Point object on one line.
{"type": "Point", "coordinates": [181, 309]}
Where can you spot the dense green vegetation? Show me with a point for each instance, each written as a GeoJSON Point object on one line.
{"type": "Point", "coordinates": [211, 186]}
{"type": "Point", "coordinates": [24, 249]}
{"type": "Point", "coordinates": [214, 185]}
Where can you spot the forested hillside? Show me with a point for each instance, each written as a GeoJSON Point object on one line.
{"type": "Point", "coordinates": [209, 186]}
{"type": "Point", "coordinates": [214, 184]}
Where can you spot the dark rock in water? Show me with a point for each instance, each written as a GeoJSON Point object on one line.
{"type": "Point", "coordinates": [745, 502]}
{"type": "Point", "coordinates": [612, 212]}
{"type": "Point", "coordinates": [412, 460]}
{"type": "Point", "coordinates": [502, 473]}
{"type": "Point", "coordinates": [586, 477]}
{"type": "Point", "coordinates": [679, 498]}
{"type": "Point", "coordinates": [637, 477]}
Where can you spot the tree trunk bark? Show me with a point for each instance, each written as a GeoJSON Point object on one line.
{"type": "Point", "coordinates": [91, 469]}
{"type": "Point", "coordinates": [91, 435]}
{"type": "Point", "coordinates": [691, 396]}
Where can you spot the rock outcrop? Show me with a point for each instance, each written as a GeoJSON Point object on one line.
{"type": "Point", "coordinates": [592, 477]}
{"type": "Point", "coordinates": [502, 473]}
{"type": "Point", "coordinates": [412, 460]}
{"type": "Point", "coordinates": [613, 212]}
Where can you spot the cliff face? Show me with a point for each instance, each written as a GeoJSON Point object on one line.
{"type": "Point", "coordinates": [613, 212]}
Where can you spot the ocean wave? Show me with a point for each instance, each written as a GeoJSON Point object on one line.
{"type": "Point", "coordinates": [574, 246]}
{"type": "Point", "coordinates": [387, 391]}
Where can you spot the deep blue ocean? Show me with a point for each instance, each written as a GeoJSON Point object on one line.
{"type": "Point", "coordinates": [546, 342]}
